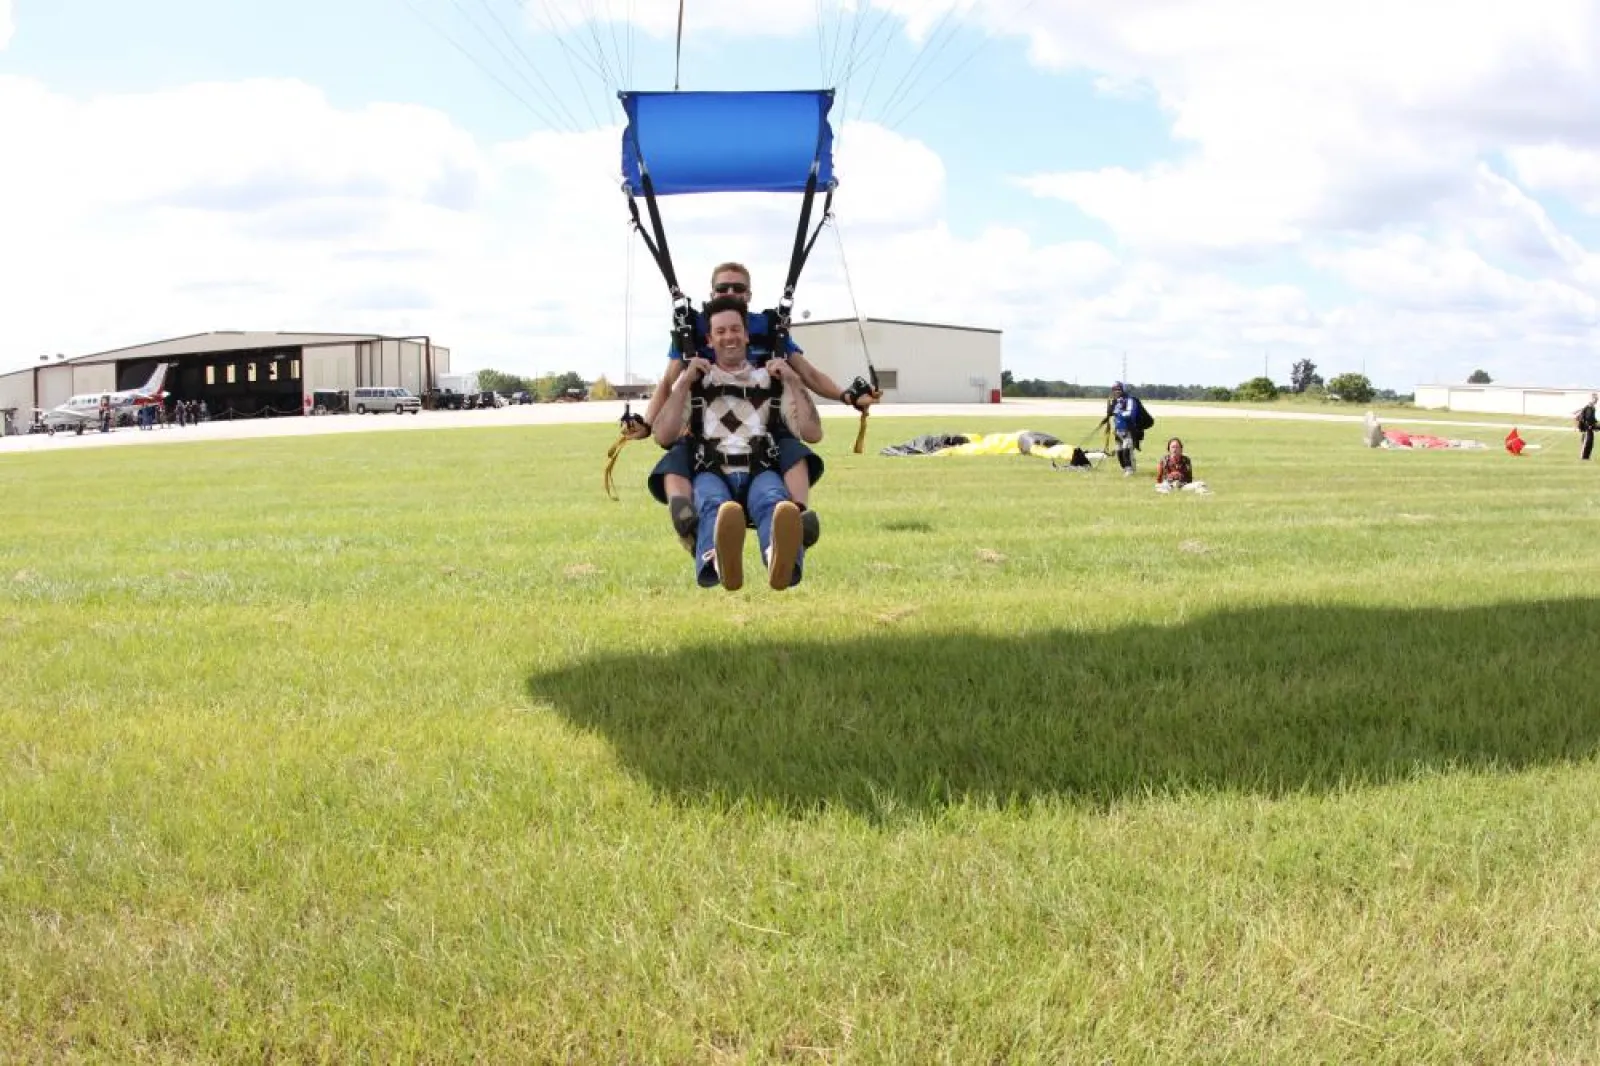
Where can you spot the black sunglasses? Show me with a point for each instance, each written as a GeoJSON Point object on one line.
{"type": "Point", "coordinates": [731, 286]}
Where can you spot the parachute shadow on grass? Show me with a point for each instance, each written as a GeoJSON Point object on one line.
{"type": "Point", "coordinates": [1269, 701]}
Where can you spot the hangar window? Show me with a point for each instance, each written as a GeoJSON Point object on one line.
{"type": "Point", "coordinates": [294, 368]}
{"type": "Point", "coordinates": [211, 375]}
{"type": "Point", "coordinates": [250, 371]}
{"type": "Point", "coordinates": [272, 371]}
{"type": "Point", "coordinates": [888, 379]}
{"type": "Point", "coordinates": [232, 368]}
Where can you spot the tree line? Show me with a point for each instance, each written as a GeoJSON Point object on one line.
{"type": "Point", "coordinates": [546, 387]}
{"type": "Point", "coordinates": [1303, 381]}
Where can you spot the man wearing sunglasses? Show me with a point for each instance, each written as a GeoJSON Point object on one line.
{"type": "Point", "coordinates": [671, 480]}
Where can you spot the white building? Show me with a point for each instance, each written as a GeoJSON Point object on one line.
{"type": "Point", "coordinates": [917, 362]}
{"type": "Point", "coordinates": [235, 373]}
{"type": "Point", "coordinates": [1502, 399]}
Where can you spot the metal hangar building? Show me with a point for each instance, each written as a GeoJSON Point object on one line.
{"type": "Point", "coordinates": [917, 362]}
{"type": "Point", "coordinates": [236, 374]}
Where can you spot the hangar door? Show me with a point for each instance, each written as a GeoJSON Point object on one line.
{"type": "Point", "coordinates": [258, 383]}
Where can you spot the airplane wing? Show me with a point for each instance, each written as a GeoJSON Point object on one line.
{"type": "Point", "coordinates": [76, 416]}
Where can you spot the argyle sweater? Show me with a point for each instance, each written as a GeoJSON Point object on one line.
{"type": "Point", "coordinates": [730, 423]}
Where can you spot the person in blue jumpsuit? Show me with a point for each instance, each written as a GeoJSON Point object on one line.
{"type": "Point", "coordinates": [1122, 412]}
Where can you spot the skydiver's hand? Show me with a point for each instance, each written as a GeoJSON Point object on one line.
{"type": "Point", "coordinates": [779, 368]}
{"type": "Point", "coordinates": [864, 401]}
{"type": "Point", "coordinates": [636, 429]}
{"type": "Point", "coordinates": [697, 368]}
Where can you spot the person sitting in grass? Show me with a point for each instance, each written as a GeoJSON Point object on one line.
{"type": "Point", "coordinates": [732, 411]}
{"type": "Point", "coordinates": [1175, 472]}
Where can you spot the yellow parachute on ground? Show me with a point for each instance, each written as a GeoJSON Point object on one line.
{"type": "Point", "coordinates": [1025, 442]}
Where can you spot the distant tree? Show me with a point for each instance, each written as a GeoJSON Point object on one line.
{"type": "Point", "coordinates": [549, 386]}
{"type": "Point", "coordinates": [1479, 377]}
{"type": "Point", "coordinates": [1220, 393]}
{"type": "Point", "coordinates": [1257, 390]}
{"type": "Point", "coordinates": [601, 389]}
{"type": "Point", "coordinates": [498, 381]}
{"type": "Point", "coordinates": [1303, 376]}
{"type": "Point", "coordinates": [1007, 379]}
{"type": "Point", "coordinates": [1352, 388]}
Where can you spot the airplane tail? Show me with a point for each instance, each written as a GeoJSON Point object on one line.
{"type": "Point", "coordinates": [153, 386]}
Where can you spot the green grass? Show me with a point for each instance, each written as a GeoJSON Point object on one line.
{"type": "Point", "coordinates": [414, 746]}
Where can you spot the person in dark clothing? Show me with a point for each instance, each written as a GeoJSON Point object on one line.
{"type": "Point", "coordinates": [1587, 426]}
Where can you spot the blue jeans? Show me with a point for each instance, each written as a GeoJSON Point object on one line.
{"type": "Point", "coordinates": [759, 496]}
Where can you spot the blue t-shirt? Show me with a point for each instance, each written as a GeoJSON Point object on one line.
{"type": "Point", "coordinates": [760, 348]}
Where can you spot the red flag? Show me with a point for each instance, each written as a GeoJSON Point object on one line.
{"type": "Point", "coordinates": [1514, 443]}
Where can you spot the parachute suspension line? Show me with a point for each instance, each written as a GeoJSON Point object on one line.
{"type": "Point", "coordinates": [913, 73]}
{"type": "Point", "coordinates": [589, 17]}
{"type": "Point", "coordinates": [491, 75]}
{"type": "Point", "coordinates": [630, 42]}
{"type": "Point", "coordinates": [849, 58]}
{"type": "Point", "coordinates": [567, 53]}
{"type": "Point", "coordinates": [861, 331]}
{"type": "Point", "coordinates": [629, 419]}
{"type": "Point", "coordinates": [677, 67]}
{"type": "Point", "coordinates": [592, 20]}
{"type": "Point", "coordinates": [822, 46]}
{"type": "Point", "coordinates": [627, 317]}
{"type": "Point", "coordinates": [854, 309]}
{"type": "Point", "coordinates": [867, 59]}
{"type": "Point", "coordinates": [554, 100]}
{"type": "Point", "coordinates": [624, 75]}
{"type": "Point", "coordinates": [958, 68]}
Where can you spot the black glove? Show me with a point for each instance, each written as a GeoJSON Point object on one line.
{"type": "Point", "coordinates": [858, 388]}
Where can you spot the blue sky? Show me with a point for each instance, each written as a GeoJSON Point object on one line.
{"type": "Point", "coordinates": [1230, 196]}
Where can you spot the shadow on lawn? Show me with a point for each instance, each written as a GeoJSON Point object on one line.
{"type": "Point", "coordinates": [1269, 700]}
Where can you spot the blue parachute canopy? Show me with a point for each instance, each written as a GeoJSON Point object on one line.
{"type": "Point", "coordinates": [727, 141]}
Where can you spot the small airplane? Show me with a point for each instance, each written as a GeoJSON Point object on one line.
{"type": "Point", "coordinates": [84, 411]}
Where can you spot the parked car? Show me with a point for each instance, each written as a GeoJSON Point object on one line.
{"type": "Point", "coordinates": [378, 399]}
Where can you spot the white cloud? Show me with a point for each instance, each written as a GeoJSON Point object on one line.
{"type": "Point", "coordinates": [1317, 115]}
{"type": "Point", "coordinates": [1560, 168]}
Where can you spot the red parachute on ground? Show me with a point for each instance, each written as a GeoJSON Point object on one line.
{"type": "Point", "coordinates": [1514, 442]}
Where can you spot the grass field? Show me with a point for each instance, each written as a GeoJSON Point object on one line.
{"type": "Point", "coordinates": [413, 746]}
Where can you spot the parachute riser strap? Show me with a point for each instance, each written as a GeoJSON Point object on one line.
{"type": "Point", "coordinates": [802, 248]}
{"type": "Point", "coordinates": [785, 308]}
{"type": "Point", "coordinates": [682, 309]}
{"type": "Point", "coordinates": [659, 251]}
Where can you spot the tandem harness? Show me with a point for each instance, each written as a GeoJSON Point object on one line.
{"type": "Point", "coordinates": [724, 411]}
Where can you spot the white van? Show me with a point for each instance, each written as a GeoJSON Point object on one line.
{"type": "Point", "coordinates": [384, 398]}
